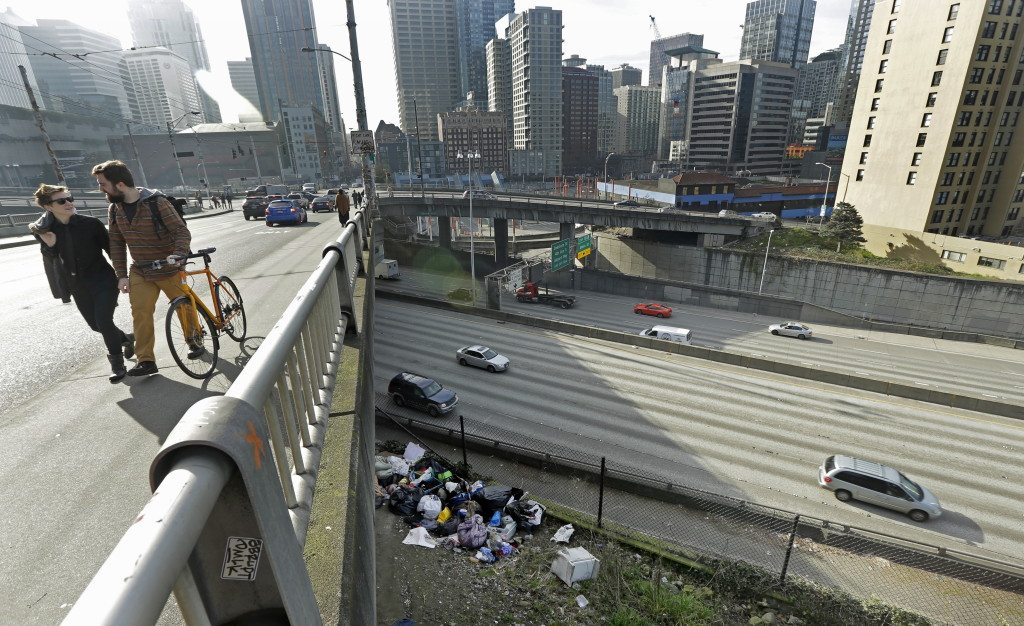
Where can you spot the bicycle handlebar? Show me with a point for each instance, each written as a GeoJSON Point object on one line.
{"type": "Point", "coordinates": [161, 263]}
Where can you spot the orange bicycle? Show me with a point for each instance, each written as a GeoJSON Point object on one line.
{"type": "Point", "coordinates": [193, 328]}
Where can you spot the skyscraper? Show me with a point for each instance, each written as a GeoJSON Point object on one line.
{"type": "Point", "coordinates": [659, 52]}
{"type": "Point", "coordinates": [579, 120]}
{"type": "Point", "coordinates": [740, 116]}
{"type": "Point", "coordinates": [329, 85]}
{"type": "Point", "coordinates": [816, 88]}
{"type": "Point", "coordinates": [12, 54]}
{"type": "Point", "coordinates": [243, 80]}
{"type": "Point", "coordinates": [535, 36]}
{"type": "Point", "coordinates": [425, 38]}
{"type": "Point", "coordinates": [605, 109]}
{"type": "Point", "coordinates": [165, 87]}
{"type": "Point", "coordinates": [171, 24]}
{"type": "Point", "coordinates": [939, 101]}
{"type": "Point", "coordinates": [778, 30]}
{"type": "Point", "coordinates": [473, 130]}
{"type": "Point", "coordinates": [636, 128]}
{"type": "Point", "coordinates": [499, 79]}
{"type": "Point", "coordinates": [857, 28]}
{"type": "Point", "coordinates": [92, 85]}
{"type": "Point", "coordinates": [626, 75]}
{"type": "Point", "coordinates": [677, 82]}
{"type": "Point", "coordinates": [285, 76]}
{"type": "Point", "coordinates": [475, 27]}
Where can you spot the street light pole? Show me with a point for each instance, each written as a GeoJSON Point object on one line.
{"type": "Point", "coordinates": [606, 174]}
{"type": "Point", "coordinates": [764, 267]}
{"type": "Point", "coordinates": [174, 150]}
{"type": "Point", "coordinates": [472, 251]}
{"type": "Point", "coordinates": [135, 149]}
{"type": "Point", "coordinates": [824, 196]}
{"type": "Point", "coordinates": [847, 187]}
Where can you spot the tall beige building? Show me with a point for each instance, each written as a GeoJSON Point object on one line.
{"type": "Point", "coordinates": [938, 104]}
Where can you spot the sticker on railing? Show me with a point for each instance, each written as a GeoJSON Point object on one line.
{"type": "Point", "coordinates": [241, 558]}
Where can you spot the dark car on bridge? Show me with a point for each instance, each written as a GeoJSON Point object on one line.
{"type": "Point", "coordinates": [420, 392]}
{"type": "Point", "coordinates": [254, 206]}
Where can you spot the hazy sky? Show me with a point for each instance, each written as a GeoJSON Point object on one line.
{"type": "Point", "coordinates": [607, 32]}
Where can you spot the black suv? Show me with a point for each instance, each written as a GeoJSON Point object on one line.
{"type": "Point", "coordinates": [254, 206]}
{"type": "Point", "coordinates": [420, 392]}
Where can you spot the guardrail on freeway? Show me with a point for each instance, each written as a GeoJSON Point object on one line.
{"type": "Point", "coordinates": [229, 515]}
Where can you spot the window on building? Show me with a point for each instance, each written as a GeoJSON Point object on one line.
{"type": "Point", "coordinates": [954, 9]}
{"type": "Point", "coordinates": [996, 264]}
{"type": "Point", "coordinates": [953, 159]}
{"type": "Point", "coordinates": [931, 99]}
{"type": "Point", "coordinates": [926, 120]}
{"type": "Point", "coordinates": [958, 139]}
{"type": "Point", "coordinates": [1012, 215]}
{"type": "Point", "coordinates": [940, 199]}
{"type": "Point", "coordinates": [883, 65]}
{"type": "Point", "coordinates": [947, 34]}
{"type": "Point", "coordinates": [912, 178]}
{"type": "Point", "coordinates": [956, 257]}
{"type": "Point", "coordinates": [989, 31]}
{"type": "Point", "coordinates": [977, 210]}
{"type": "Point", "coordinates": [867, 141]}
{"type": "Point", "coordinates": [971, 97]}
{"type": "Point", "coordinates": [937, 216]}
{"type": "Point", "coordinates": [878, 85]}
{"type": "Point", "coordinates": [892, 27]}
{"type": "Point", "coordinates": [995, 7]}
{"type": "Point", "coordinates": [896, 5]}
{"type": "Point", "coordinates": [976, 76]}
{"type": "Point", "coordinates": [887, 46]}
{"type": "Point", "coordinates": [874, 104]}
{"type": "Point", "coordinates": [942, 56]}
{"type": "Point", "coordinates": [982, 54]}
{"type": "Point", "coordinates": [936, 78]}
{"type": "Point", "coordinates": [921, 138]}
{"type": "Point", "coordinates": [916, 159]}
{"type": "Point", "coordinates": [860, 175]}
{"type": "Point", "coordinates": [863, 158]}
{"type": "Point", "coordinates": [871, 122]}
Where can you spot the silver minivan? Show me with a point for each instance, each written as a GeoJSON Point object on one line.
{"type": "Point", "coordinates": [855, 479]}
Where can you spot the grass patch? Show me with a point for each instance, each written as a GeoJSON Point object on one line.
{"type": "Point", "coordinates": [801, 243]}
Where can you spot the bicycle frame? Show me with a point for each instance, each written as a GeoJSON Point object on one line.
{"type": "Point", "coordinates": [218, 316]}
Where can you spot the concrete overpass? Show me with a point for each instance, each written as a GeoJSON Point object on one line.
{"type": "Point", "coordinates": [709, 228]}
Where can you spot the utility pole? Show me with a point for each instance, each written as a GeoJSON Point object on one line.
{"type": "Point", "coordinates": [39, 122]}
{"type": "Point", "coordinates": [357, 80]}
{"type": "Point", "coordinates": [255, 156]}
{"type": "Point", "coordinates": [135, 149]}
{"type": "Point", "coordinates": [408, 157]}
{"type": "Point", "coordinates": [181, 175]}
{"type": "Point", "coordinates": [206, 177]}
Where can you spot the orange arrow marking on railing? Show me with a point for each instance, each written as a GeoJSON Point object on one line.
{"type": "Point", "coordinates": [253, 439]}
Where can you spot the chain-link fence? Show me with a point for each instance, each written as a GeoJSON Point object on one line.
{"type": "Point", "coordinates": [944, 585]}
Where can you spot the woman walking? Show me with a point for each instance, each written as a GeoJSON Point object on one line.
{"type": "Point", "coordinates": [77, 243]}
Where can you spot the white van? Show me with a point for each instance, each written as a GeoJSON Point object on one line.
{"type": "Point", "coordinates": [310, 187]}
{"type": "Point", "coordinates": [388, 268]}
{"type": "Point", "coordinates": [668, 333]}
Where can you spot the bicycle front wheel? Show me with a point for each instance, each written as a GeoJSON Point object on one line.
{"type": "Point", "coordinates": [231, 308]}
{"type": "Point", "coordinates": [192, 338]}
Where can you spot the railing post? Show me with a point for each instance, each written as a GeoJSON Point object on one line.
{"type": "Point", "coordinates": [789, 549]}
{"type": "Point", "coordinates": [600, 494]}
{"type": "Point", "coordinates": [462, 429]}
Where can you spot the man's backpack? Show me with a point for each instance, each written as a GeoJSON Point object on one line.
{"type": "Point", "coordinates": [178, 204]}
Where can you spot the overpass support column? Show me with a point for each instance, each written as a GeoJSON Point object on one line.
{"type": "Point", "coordinates": [444, 232]}
{"type": "Point", "coordinates": [566, 230]}
{"type": "Point", "coordinates": [501, 242]}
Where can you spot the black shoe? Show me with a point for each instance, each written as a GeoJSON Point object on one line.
{"type": "Point", "coordinates": [196, 350]}
{"type": "Point", "coordinates": [144, 368]}
{"type": "Point", "coordinates": [117, 371]}
{"type": "Point", "coordinates": [128, 345]}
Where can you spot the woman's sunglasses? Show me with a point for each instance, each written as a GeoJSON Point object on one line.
{"type": "Point", "coordinates": [63, 201]}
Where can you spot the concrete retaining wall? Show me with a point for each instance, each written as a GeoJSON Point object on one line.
{"type": "Point", "coordinates": [919, 301]}
{"type": "Point", "coordinates": [786, 369]}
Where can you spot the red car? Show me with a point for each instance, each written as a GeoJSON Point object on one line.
{"type": "Point", "coordinates": [652, 308]}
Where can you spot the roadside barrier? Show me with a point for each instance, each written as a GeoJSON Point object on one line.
{"type": "Point", "coordinates": [225, 526]}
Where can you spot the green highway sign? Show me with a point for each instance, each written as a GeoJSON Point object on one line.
{"type": "Point", "coordinates": [561, 254]}
{"type": "Point", "coordinates": [584, 246]}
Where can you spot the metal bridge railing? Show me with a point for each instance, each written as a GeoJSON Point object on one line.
{"type": "Point", "coordinates": [225, 526]}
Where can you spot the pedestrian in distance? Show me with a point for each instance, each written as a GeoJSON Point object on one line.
{"type": "Point", "coordinates": [228, 198]}
{"type": "Point", "coordinates": [341, 203]}
{"type": "Point", "coordinates": [76, 243]}
{"type": "Point", "coordinates": [146, 224]}
{"type": "Point", "coordinates": [216, 202]}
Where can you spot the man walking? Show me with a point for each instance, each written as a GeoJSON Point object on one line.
{"type": "Point", "coordinates": [341, 203]}
{"type": "Point", "coordinates": [146, 224]}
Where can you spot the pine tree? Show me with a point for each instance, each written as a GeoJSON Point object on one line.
{"type": "Point", "coordinates": [845, 225]}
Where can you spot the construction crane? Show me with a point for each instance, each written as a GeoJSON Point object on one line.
{"type": "Point", "coordinates": [654, 26]}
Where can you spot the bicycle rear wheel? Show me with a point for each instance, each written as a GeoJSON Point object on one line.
{"type": "Point", "coordinates": [231, 308]}
{"type": "Point", "coordinates": [192, 338]}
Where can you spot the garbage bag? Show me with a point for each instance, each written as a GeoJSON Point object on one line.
{"type": "Point", "coordinates": [403, 501]}
{"type": "Point", "coordinates": [493, 498]}
{"type": "Point", "coordinates": [472, 532]}
{"type": "Point", "coordinates": [447, 528]}
{"type": "Point", "coordinates": [444, 515]}
{"type": "Point", "coordinates": [419, 537]}
{"type": "Point", "coordinates": [398, 465]}
{"type": "Point", "coordinates": [495, 519]}
{"type": "Point", "coordinates": [413, 452]}
{"type": "Point", "coordinates": [430, 506]}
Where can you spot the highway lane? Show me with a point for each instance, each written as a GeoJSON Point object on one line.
{"type": "Point", "coordinates": [979, 370]}
{"type": "Point", "coordinates": [749, 434]}
{"type": "Point", "coordinates": [77, 449]}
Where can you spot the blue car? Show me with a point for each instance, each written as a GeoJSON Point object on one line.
{"type": "Point", "coordinates": [285, 211]}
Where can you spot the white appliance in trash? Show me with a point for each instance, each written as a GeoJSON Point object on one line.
{"type": "Point", "coordinates": [575, 564]}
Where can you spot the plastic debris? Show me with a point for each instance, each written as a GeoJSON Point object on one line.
{"type": "Point", "coordinates": [413, 452]}
{"type": "Point", "coordinates": [582, 601]}
{"type": "Point", "coordinates": [563, 534]}
{"type": "Point", "coordinates": [420, 537]}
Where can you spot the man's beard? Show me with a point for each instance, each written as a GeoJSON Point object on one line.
{"type": "Point", "coordinates": [115, 197]}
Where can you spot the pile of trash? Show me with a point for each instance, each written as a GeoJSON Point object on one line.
{"type": "Point", "coordinates": [445, 510]}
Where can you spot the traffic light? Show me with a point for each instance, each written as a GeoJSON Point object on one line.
{"type": "Point", "coordinates": [234, 155]}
